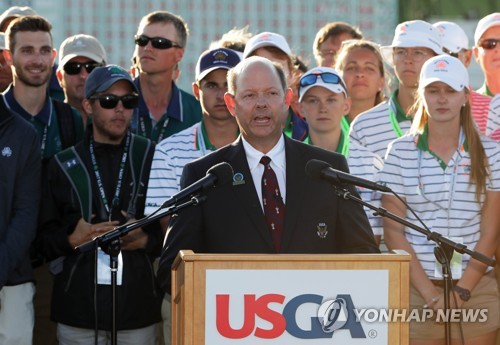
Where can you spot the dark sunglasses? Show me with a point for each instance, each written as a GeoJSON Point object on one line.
{"type": "Point", "coordinates": [73, 68]}
{"type": "Point", "coordinates": [327, 77]}
{"type": "Point", "coordinates": [156, 42]}
{"type": "Point", "coordinates": [489, 43]}
{"type": "Point", "coordinates": [110, 101]}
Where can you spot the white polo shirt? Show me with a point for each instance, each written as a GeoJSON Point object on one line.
{"type": "Point", "coordinates": [440, 195]}
{"type": "Point", "coordinates": [170, 157]}
{"type": "Point", "coordinates": [374, 130]}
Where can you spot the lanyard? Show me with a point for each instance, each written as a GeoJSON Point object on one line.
{"type": "Point", "coordinates": [162, 130]}
{"type": "Point", "coordinates": [116, 197]}
{"type": "Point", "coordinates": [394, 121]}
{"type": "Point", "coordinates": [420, 187]}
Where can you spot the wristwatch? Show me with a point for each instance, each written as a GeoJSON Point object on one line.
{"type": "Point", "coordinates": [463, 293]}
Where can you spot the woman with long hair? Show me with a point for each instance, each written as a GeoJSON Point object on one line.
{"type": "Point", "coordinates": [361, 65]}
{"type": "Point", "coordinates": [450, 176]}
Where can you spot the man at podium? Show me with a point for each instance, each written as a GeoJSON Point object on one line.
{"type": "Point", "coordinates": [268, 205]}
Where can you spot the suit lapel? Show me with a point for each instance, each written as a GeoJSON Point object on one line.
{"type": "Point", "coordinates": [245, 192]}
{"type": "Point", "coordinates": [295, 190]}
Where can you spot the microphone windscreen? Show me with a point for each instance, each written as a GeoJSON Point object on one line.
{"type": "Point", "coordinates": [223, 172]}
{"type": "Point", "coordinates": [315, 167]}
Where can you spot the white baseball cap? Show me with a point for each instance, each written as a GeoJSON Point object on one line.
{"type": "Point", "coordinates": [411, 34]}
{"type": "Point", "coordinates": [453, 37]}
{"type": "Point", "coordinates": [446, 69]}
{"type": "Point", "coordinates": [267, 39]}
{"type": "Point", "coordinates": [484, 24]}
{"type": "Point", "coordinates": [81, 45]}
{"type": "Point", "coordinates": [325, 77]}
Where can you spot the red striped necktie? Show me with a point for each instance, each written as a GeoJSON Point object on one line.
{"type": "Point", "coordinates": [274, 207]}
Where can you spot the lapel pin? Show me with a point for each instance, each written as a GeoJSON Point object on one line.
{"type": "Point", "coordinates": [238, 179]}
{"type": "Point", "coordinates": [322, 230]}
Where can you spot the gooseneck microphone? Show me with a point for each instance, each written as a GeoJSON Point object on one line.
{"type": "Point", "coordinates": [219, 174]}
{"type": "Point", "coordinates": [321, 170]}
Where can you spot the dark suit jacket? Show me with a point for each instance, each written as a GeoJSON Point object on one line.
{"type": "Point", "coordinates": [231, 220]}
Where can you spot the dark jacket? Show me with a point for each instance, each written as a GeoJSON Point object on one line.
{"type": "Point", "coordinates": [19, 196]}
{"type": "Point", "coordinates": [231, 219]}
{"type": "Point", "coordinates": [138, 298]}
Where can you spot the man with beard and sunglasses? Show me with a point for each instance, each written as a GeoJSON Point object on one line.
{"type": "Point", "coordinates": [164, 109]}
{"type": "Point", "coordinates": [92, 187]}
{"type": "Point", "coordinates": [30, 55]}
{"type": "Point", "coordinates": [78, 56]}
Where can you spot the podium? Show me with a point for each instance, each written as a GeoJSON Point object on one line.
{"type": "Point", "coordinates": [287, 299]}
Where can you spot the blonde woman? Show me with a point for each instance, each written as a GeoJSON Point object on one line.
{"type": "Point", "coordinates": [450, 176]}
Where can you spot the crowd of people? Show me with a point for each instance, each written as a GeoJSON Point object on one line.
{"type": "Point", "coordinates": [95, 145]}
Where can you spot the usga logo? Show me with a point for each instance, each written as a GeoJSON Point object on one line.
{"type": "Point", "coordinates": [333, 315]}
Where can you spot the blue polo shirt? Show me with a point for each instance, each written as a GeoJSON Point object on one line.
{"type": "Point", "coordinates": [45, 123]}
{"type": "Point", "coordinates": [183, 111]}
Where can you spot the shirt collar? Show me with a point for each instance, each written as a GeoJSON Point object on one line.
{"type": "Point", "coordinates": [43, 115]}
{"type": "Point", "coordinates": [423, 141]}
{"type": "Point", "coordinates": [277, 154]}
{"type": "Point", "coordinates": [400, 114]}
{"type": "Point", "coordinates": [174, 109]}
{"type": "Point", "coordinates": [485, 91]}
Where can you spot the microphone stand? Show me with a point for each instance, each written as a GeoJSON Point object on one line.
{"type": "Point", "coordinates": [110, 244]}
{"type": "Point", "coordinates": [443, 251]}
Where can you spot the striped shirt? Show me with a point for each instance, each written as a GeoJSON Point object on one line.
{"type": "Point", "coordinates": [493, 125]}
{"type": "Point", "coordinates": [479, 105]}
{"type": "Point", "coordinates": [170, 157]}
{"type": "Point", "coordinates": [442, 197]}
{"type": "Point", "coordinates": [374, 130]}
{"type": "Point", "coordinates": [365, 164]}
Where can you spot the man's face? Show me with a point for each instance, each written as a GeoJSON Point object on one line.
{"type": "Point", "coordinates": [110, 125]}
{"type": "Point", "coordinates": [32, 58]}
{"type": "Point", "coordinates": [210, 92]}
{"type": "Point", "coordinates": [329, 48]}
{"type": "Point", "coordinates": [5, 73]}
{"type": "Point", "coordinates": [260, 105]}
{"type": "Point", "coordinates": [408, 63]}
{"type": "Point", "coordinates": [153, 60]}
{"type": "Point", "coordinates": [489, 59]}
{"type": "Point", "coordinates": [74, 84]}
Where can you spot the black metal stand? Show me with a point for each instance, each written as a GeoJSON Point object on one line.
{"type": "Point", "coordinates": [443, 251]}
{"type": "Point", "coordinates": [110, 244]}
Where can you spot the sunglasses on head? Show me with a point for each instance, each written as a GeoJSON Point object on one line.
{"type": "Point", "coordinates": [110, 101]}
{"type": "Point", "coordinates": [73, 68]}
{"type": "Point", "coordinates": [489, 43]}
{"type": "Point", "coordinates": [327, 77]}
{"type": "Point", "coordinates": [156, 42]}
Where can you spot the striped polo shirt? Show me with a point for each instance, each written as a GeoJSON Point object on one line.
{"type": "Point", "coordinates": [374, 129]}
{"type": "Point", "coordinates": [479, 106]}
{"type": "Point", "coordinates": [170, 157]}
{"type": "Point", "coordinates": [493, 124]}
{"type": "Point", "coordinates": [439, 193]}
{"type": "Point", "coordinates": [365, 164]}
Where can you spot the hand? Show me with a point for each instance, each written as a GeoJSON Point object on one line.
{"type": "Point", "coordinates": [440, 302]}
{"type": "Point", "coordinates": [85, 232]}
{"type": "Point", "coordinates": [135, 239]}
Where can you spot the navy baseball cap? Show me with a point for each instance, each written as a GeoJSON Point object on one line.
{"type": "Point", "coordinates": [102, 78]}
{"type": "Point", "coordinates": [214, 59]}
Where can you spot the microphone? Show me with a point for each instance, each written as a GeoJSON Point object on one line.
{"type": "Point", "coordinates": [220, 174]}
{"type": "Point", "coordinates": [317, 169]}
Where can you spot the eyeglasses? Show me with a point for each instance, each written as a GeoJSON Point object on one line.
{"type": "Point", "coordinates": [416, 54]}
{"type": "Point", "coordinates": [110, 101]}
{"type": "Point", "coordinates": [489, 43]}
{"type": "Point", "coordinates": [156, 42]}
{"type": "Point", "coordinates": [450, 53]}
{"type": "Point", "coordinates": [73, 68]}
{"type": "Point", "coordinates": [327, 77]}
